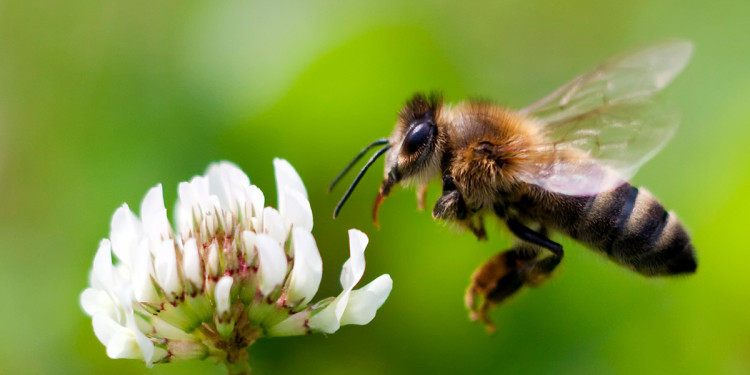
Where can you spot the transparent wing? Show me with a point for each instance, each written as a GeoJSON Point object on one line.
{"type": "Point", "coordinates": [630, 76]}
{"type": "Point", "coordinates": [599, 151]}
{"type": "Point", "coordinates": [602, 126]}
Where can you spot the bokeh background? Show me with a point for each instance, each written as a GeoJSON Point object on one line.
{"type": "Point", "coordinates": [101, 100]}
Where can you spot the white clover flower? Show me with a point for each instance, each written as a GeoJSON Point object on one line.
{"type": "Point", "coordinates": [233, 272]}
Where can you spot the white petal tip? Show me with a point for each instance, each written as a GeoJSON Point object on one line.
{"type": "Point", "coordinates": [365, 302]}
{"type": "Point", "coordinates": [223, 294]}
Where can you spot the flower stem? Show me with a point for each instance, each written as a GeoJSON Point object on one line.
{"type": "Point", "coordinates": [238, 368]}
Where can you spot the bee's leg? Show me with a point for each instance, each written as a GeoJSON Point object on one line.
{"type": "Point", "coordinates": [452, 207]}
{"type": "Point", "coordinates": [505, 273]}
{"type": "Point", "coordinates": [540, 269]}
{"type": "Point", "coordinates": [421, 194]}
{"type": "Point", "coordinates": [496, 280]}
{"type": "Point", "coordinates": [537, 270]}
{"type": "Point", "coordinates": [540, 239]}
{"type": "Point", "coordinates": [476, 225]}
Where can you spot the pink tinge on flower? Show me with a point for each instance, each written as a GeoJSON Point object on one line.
{"type": "Point", "coordinates": [233, 271]}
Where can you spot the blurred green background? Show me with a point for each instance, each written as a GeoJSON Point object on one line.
{"type": "Point", "coordinates": [101, 100]}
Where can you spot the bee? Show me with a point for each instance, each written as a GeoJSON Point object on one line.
{"type": "Point", "coordinates": [559, 165]}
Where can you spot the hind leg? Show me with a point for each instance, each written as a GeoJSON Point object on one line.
{"type": "Point", "coordinates": [505, 273]}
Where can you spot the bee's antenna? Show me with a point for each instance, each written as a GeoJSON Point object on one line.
{"type": "Point", "coordinates": [349, 166]}
{"type": "Point", "coordinates": [360, 174]}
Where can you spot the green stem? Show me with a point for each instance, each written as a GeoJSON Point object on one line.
{"type": "Point", "coordinates": [241, 367]}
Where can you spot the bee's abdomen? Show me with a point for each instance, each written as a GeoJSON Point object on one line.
{"type": "Point", "coordinates": [628, 224]}
{"type": "Point", "coordinates": [635, 230]}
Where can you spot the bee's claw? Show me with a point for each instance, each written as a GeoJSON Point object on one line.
{"type": "Point", "coordinates": [479, 311]}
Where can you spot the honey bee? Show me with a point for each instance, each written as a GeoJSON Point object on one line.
{"type": "Point", "coordinates": [559, 165]}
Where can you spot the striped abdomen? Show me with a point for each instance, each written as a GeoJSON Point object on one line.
{"type": "Point", "coordinates": [628, 224]}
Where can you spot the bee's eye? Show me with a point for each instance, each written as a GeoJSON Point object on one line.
{"type": "Point", "coordinates": [417, 136]}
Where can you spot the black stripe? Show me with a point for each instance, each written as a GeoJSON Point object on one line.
{"type": "Point", "coordinates": [621, 207]}
{"type": "Point", "coordinates": [627, 210]}
{"type": "Point", "coordinates": [588, 205]}
{"type": "Point", "coordinates": [658, 231]}
{"type": "Point", "coordinates": [638, 235]}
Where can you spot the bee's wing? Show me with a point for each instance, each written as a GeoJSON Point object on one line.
{"type": "Point", "coordinates": [602, 126]}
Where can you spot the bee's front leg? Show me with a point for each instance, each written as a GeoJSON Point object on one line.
{"type": "Point", "coordinates": [452, 207]}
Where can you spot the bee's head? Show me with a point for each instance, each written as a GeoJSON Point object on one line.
{"type": "Point", "coordinates": [412, 153]}
{"type": "Point", "coordinates": [416, 144]}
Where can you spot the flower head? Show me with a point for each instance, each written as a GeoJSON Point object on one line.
{"type": "Point", "coordinates": [233, 271]}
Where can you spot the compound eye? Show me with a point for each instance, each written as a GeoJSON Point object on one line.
{"type": "Point", "coordinates": [417, 137]}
